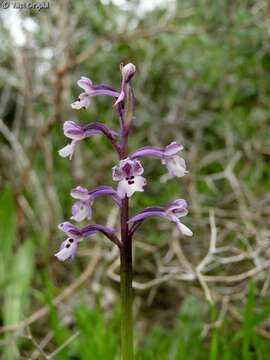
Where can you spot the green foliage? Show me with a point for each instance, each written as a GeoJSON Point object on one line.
{"type": "Point", "coordinates": [186, 342]}
{"type": "Point", "coordinates": [7, 234]}
{"type": "Point", "coordinates": [16, 271]}
{"type": "Point", "coordinates": [61, 332]}
{"type": "Point", "coordinates": [214, 344]}
{"type": "Point", "coordinates": [252, 344]}
{"type": "Point", "coordinates": [99, 338]}
{"type": "Point", "coordinates": [183, 342]}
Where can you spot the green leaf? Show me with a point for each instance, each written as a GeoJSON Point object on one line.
{"type": "Point", "coordinates": [7, 234]}
{"type": "Point", "coordinates": [248, 324]}
{"type": "Point", "coordinates": [98, 338]}
{"type": "Point", "coordinates": [17, 291]}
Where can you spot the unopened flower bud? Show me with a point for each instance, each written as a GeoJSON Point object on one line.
{"type": "Point", "coordinates": [128, 71]}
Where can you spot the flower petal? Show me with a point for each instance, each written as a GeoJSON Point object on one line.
{"type": "Point", "coordinates": [80, 193]}
{"type": "Point", "coordinates": [68, 150]}
{"type": "Point", "coordinates": [173, 148]}
{"type": "Point", "coordinates": [67, 250]}
{"type": "Point", "coordinates": [96, 90]}
{"type": "Point", "coordinates": [177, 209]}
{"type": "Point", "coordinates": [70, 230]}
{"type": "Point", "coordinates": [122, 189]}
{"type": "Point", "coordinates": [127, 168]}
{"type": "Point", "coordinates": [85, 83]}
{"type": "Point", "coordinates": [137, 168]}
{"type": "Point", "coordinates": [73, 130]}
{"type": "Point", "coordinates": [81, 211]}
{"type": "Point", "coordinates": [116, 173]}
{"type": "Point", "coordinates": [176, 166]}
{"type": "Point", "coordinates": [184, 229]}
{"type": "Point", "coordinates": [128, 187]}
{"type": "Point", "coordinates": [83, 102]}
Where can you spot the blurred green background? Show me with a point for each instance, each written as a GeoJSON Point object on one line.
{"type": "Point", "coordinates": [203, 80]}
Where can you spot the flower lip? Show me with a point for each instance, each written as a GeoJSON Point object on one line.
{"type": "Point", "coordinates": [68, 150]}
{"type": "Point", "coordinates": [83, 101]}
{"type": "Point", "coordinates": [129, 187]}
{"type": "Point", "coordinates": [128, 173]}
{"type": "Point", "coordinates": [67, 249]}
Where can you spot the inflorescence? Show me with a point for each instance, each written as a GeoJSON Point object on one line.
{"type": "Point", "coordinates": [128, 173]}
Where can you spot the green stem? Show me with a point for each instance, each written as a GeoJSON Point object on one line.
{"type": "Point", "coordinates": [127, 351]}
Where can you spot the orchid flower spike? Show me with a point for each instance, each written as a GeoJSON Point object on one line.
{"type": "Point", "coordinates": [91, 90]}
{"type": "Point", "coordinates": [128, 172]}
{"type": "Point", "coordinates": [175, 164]}
{"type": "Point", "coordinates": [82, 209]}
